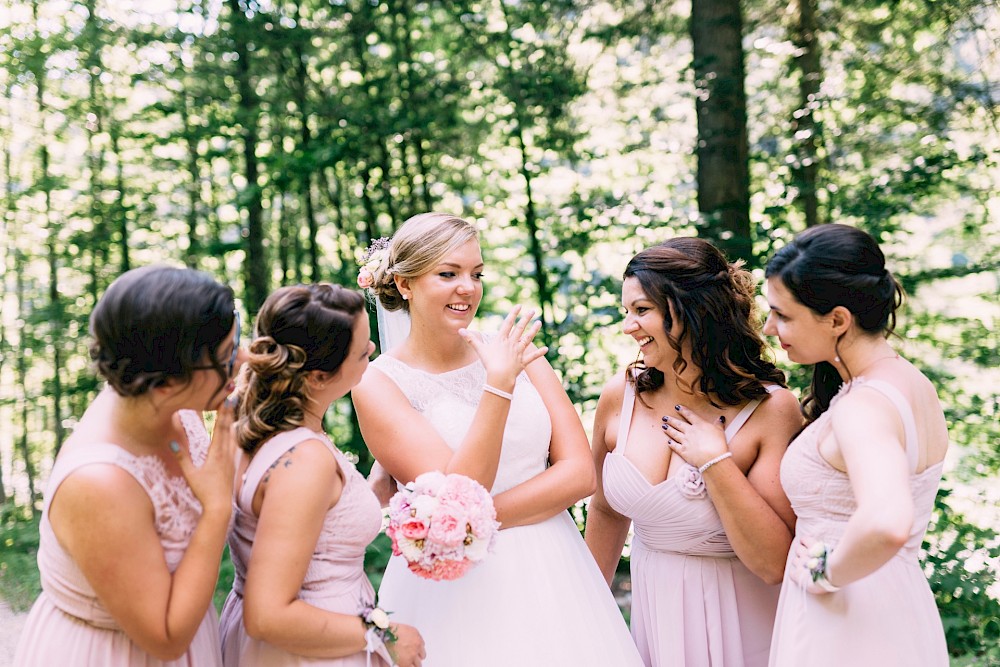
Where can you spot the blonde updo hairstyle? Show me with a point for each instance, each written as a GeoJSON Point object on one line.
{"type": "Point", "coordinates": [416, 248]}
{"type": "Point", "coordinates": [299, 329]}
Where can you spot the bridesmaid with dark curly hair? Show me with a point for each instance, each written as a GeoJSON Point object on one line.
{"type": "Point", "coordinates": [693, 463]}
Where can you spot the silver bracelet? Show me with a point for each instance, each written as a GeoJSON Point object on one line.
{"type": "Point", "coordinates": [708, 464]}
{"type": "Point", "coordinates": [498, 392]}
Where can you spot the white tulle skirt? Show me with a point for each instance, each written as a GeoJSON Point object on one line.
{"type": "Point", "coordinates": [538, 599]}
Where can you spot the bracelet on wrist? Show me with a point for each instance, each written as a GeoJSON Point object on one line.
{"type": "Point", "coordinates": [377, 628]}
{"type": "Point", "coordinates": [819, 559]}
{"type": "Point", "coordinates": [708, 464]}
{"type": "Point", "coordinates": [498, 392]}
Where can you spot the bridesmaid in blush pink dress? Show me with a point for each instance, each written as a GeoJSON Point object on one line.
{"type": "Point", "coordinates": [304, 515]}
{"type": "Point", "coordinates": [863, 475]}
{"type": "Point", "coordinates": [137, 506]}
{"type": "Point", "coordinates": [712, 526]}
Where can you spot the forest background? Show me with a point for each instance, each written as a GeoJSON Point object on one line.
{"type": "Point", "coordinates": [268, 142]}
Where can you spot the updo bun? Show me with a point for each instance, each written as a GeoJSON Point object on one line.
{"type": "Point", "coordinates": [159, 323]}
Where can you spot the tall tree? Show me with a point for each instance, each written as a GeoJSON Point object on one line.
{"type": "Point", "coordinates": [255, 272]}
{"type": "Point", "coordinates": [723, 171]}
{"type": "Point", "coordinates": [805, 129]}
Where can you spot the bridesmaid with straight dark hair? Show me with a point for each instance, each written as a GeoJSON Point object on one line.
{"type": "Point", "coordinates": [863, 474]}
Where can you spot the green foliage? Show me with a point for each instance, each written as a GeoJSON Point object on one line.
{"type": "Point", "coordinates": [962, 565]}
{"type": "Point", "coordinates": [19, 583]}
{"type": "Point", "coordinates": [565, 129]}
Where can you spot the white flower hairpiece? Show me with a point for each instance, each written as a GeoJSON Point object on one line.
{"type": "Point", "coordinates": [371, 260]}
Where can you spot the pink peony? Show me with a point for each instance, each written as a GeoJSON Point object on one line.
{"type": "Point", "coordinates": [414, 529]}
{"type": "Point", "coordinates": [442, 525]}
{"type": "Point", "coordinates": [448, 530]}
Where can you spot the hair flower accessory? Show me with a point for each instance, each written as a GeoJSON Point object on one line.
{"type": "Point", "coordinates": [691, 483]}
{"type": "Point", "coordinates": [442, 525]}
{"type": "Point", "coordinates": [371, 260]}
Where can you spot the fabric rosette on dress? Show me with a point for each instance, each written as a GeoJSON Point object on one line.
{"type": "Point", "coordinates": [442, 525]}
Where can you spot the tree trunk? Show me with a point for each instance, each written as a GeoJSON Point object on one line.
{"type": "Point", "coordinates": [51, 245]}
{"type": "Point", "coordinates": [723, 172]}
{"type": "Point", "coordinates": [22, 381]}
{"type": "Point", "coordinates": [301, 89]}
{"type": "Point", "coordinates": [193, 254]}
{"type": "Point", "coordinates": [255, 268]}
{"type": "Point", "coordinates": [804, 127]}
{"type": "Point", "coordinates": [546, 314]}
{"type": "Point", "coordinates": [121, 209]}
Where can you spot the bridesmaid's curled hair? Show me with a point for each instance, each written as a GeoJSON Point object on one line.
{"type": "Point", "coordinates": [713, 302]}
{"type": "Point", "coordinates": [837, 265]}
{"type": "Point", "coordinates": [300, 328]}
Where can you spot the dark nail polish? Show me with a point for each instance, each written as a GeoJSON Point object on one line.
{"type": "Point", "coordinates": [665, 427]}
{"type": "Point", "coordinates": [677, 407]}
{"type": "Point", "coordinates": [665, 418]}
{"type": "Point", "coordinates": [722, 419]}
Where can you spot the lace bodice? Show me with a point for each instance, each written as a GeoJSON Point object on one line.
{"type": "Point", "coordinates": [450, 400]}
{"type": "Point", "coordinates": [176, 514]}
{"type": "Point", "coordinates": [822, 496]}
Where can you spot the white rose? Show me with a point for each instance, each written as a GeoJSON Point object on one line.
{"type": "Point", "coordinates": [478, 550]}
{"type": "Point", "coordinates": [817, 550]}
{"type": "Point", "coordinates": [411, 552]}
{"type": "Point", "coordinates": [379, 618]}
{"type": "Point", "coordinates": [424, 506]}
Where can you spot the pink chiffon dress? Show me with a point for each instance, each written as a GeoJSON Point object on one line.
{"type": "Point", "coordinates": [694, 603]}
{"type": "Point", "coordinates": [886, 618]}
{"type": "Point", "coordinates": [335, 578]}
{"type": "Point", "coordinates": [68, 625]}
{"type": "Point", "coordinates": [538, 599]}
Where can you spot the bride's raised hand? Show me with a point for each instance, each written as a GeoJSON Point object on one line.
{"type": "Point", "coordinates": [509, 352]}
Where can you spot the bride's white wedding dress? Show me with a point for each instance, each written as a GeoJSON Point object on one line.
{"type": "Point", "coordinates": [539, 598]}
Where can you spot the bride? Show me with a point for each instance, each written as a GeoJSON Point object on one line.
{"type": "Point", "coordinates": [490, 408]}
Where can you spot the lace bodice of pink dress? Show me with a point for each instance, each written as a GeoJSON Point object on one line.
{"type": "Point", "coordinates": [886, 618]}
{"type": "Point", "coordinates": [694, 603]}
{"type": "Point", "coordinates": [335, 579]}
{"type": "Point", "coordinates": [68, 625]}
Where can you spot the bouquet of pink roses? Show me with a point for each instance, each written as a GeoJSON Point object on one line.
{"type": "Point", "coordinates": [442, 524]}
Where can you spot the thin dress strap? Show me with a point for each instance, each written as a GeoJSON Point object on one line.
{"type": "Point", "coordinates": [905, 413]}
{"type": "Point", "coordinates": [625, 418]}
{"type": "Point", "coordinates": [745, 414]}
{"type": "Point", "coordinates": [628, 403]}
